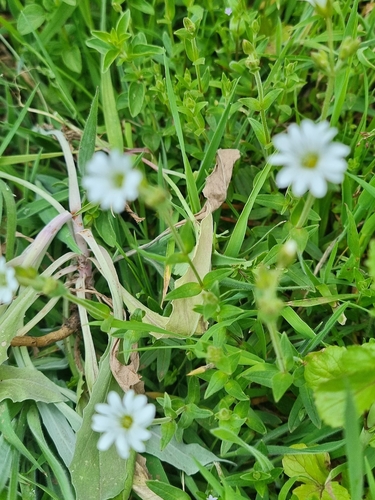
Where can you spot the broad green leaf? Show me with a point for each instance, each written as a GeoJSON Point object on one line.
{"type": "Point", "coordinates": [166, 491]}
{"type": "Point", "coordinates": [136, 97]}
{"type": "Point", "coordinates": [30, 19]}
{"type": "Point", "coordinates": [143, 6]}
{"type": "Point", "coordinates": [96, 475]}
{"type": "Point", "coordinates": [60, 474]}
{"type": "Point", "coordinates": [309, 468]}
{"type": "Point", "coordinates": [330, 373]}
{"type": "Point", "coordinates": [312, 491]}
{"type": "Point", "coordinates": [59, 430]}
{"type": "Point", "coordinates": [182, 456]}
{"type": "Point", "coordinates": [20, 384]}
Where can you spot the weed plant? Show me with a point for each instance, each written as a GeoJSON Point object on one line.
{"type": "Point", "coordinates": [243, 311]}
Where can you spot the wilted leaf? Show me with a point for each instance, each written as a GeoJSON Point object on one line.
{"type": "Point", "coordinates": [215, 190]}
{"type": "Point", "coordinates": [140, 477]}
{"type": "Point", "coordinates": [127, 376]}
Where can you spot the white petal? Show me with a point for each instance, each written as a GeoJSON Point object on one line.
{"type": "Point", "coordinates": [122, 446]}
{"type": "Point", "coordinates": [285, 177]}
{"type": "Point", "coordinates": [319, 187]}
{"type": "Point", "coordinates": [106, 440]}
{"type": "Point", "coordinates": [147, 415]}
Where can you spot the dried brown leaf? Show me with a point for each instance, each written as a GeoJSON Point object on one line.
{"type": "Point", "coordinates": [215, 190]}
{"type": "Point", "coordinates": [141, 475]}
{"type": "Point", "coordinates": [127, 376]}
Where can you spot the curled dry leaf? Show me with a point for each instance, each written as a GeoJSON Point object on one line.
{"type": "Point", "coordinates": [141, 475]}
{"type": "Point", "coordinates": [127, 376]}
{"type": "Point", "coordinates": [215, 190]}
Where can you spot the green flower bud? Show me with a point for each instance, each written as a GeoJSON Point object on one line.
{"type": "Point", "coordinates": [189, 25]}
{"type": "Point", "coordinates": [348, 47]}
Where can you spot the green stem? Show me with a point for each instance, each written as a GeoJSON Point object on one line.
{"type": "Point", "coordinates": [129, 475]}
{"type": "Point", "coordinates": [196, 57]}
{"type": "Point", "coordinates": [306, 210]}
{"type": "Point", "coordinates": [262, 112]}
{"type": "Point", "coordinates": [275, 339]}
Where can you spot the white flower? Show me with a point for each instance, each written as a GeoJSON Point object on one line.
{"type": "Point", "coordinates": [228, 11]}
{"type": "Point", "coordinates": [111, 180]}
{"type": "Point", "coordinates": [123, 422]}
{"type": "Point", "coordinates": [212, 498]}
{"type": "Point", "coordinates": [8, 282]}
{"type": "Point", "coordinates": [309, 157]}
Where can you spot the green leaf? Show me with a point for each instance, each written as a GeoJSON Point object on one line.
{"type": "Point", "coordinates": [227, 435]}
{"type": "Point", "coordinates": [251, 103]}
{"type": "Point", "coordinates": [168, 430]}
{"type": "Point", "coordinates": [214, 276]}
{"type": "Point", "coordinates": [30, 19]}
{"type": "Point", "coordinates": [183, 291]}
{"type": "Point", "coordinates": [72, 59]}
{"type": "Point", "coordinates": [143, 50]}
{"type": "Point", "coordinates": [166, 491]}
{"type": "Point", "coordinates": [87, 144]}
{"type": "Point", "coordinates": [182, 456]}
{"type": "Point", "coordinates": [258, 130]}
{"type": "Point", "coordinates": [109, 58]}
{"type": "Point", "coordinates": [297, 323]}
{"type": "Point", "coordinates": [122, 25]}
{"type": "Point", "coordinates": [217, 382]}
{"type": "Point", "coordinates": [20, 384]}
{"type": "Point", "coordinates": [143, 6]}
{"type": "Point", "coordinates": [270, 98]}
{"type": "Point", "coordinates": [11, 438]}
{"type": "Point", "coordinates": [136, 97]}
{"type": "Point", "coordinates": [354, 448]}
{"type": "Point", "coordinates": [308, 468]}
{"type": "Point", "coordinates": [330, 373]}
{"type": "Point", "coordinates": [353, 238]}
{"type": "Point", "coordinates": [280, 384]}
{"type": "Point", "coordinates": [96, 475]}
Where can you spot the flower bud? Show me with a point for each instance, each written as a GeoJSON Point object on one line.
{"type": "Point", "coordinates": [248, 47]}
{"type": "Point", "coordinates": [321, 60]}
{"type": "Point", "coordinates": [348, 47]}
{"type": "Point", "coordinates": [189, 25]}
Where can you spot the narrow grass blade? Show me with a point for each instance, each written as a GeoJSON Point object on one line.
{"type": "Point", "coordinates": [209, 156]}
{"type": "Point", "coordinates": [59, 472]}
{"type": "Point", "coordinates": [190, 181]}
{"type": "Point", "coordinates": [11, 220]}
{"type": "Point", "coordinates": [238, 235]}
{"type": "Point", "coordinates": [87, 145]}
{"type": "Point", "coordinates": [354, 449]}
{"type": "Point", "coordinates": [5, 143]}
{"type": "Point", "coordinates": [111, 119]}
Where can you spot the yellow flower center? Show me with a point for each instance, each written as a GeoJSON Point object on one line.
{"type": "Point", "coordinates": [310, 160]}
{"type": "Point", "coordinates": [118, 180]}
{"type": "Point", "coordinates": [126, 422]}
